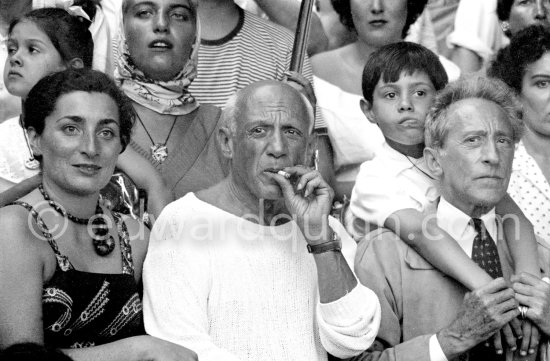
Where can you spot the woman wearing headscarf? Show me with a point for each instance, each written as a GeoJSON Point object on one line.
{"type": "Point", "coordinates": [156, 55]}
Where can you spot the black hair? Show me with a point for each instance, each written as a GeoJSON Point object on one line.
{"type": "Point", "coordinates": [32, 352]}
{"type": "Point", "coordinates": [414, 9]}
{"type": "Point", "coordinates": [390, 61]}
{"type": "Point", "coordinates": [504, 7]}
{"type": "Point", "coordinates": [525, 48]}
{"type": "Point", "coordinates": [89, 6]}
{"type": "Point", "coordinates": [43, 98]}
{"type": "Point", "coordinates": [69, 34]}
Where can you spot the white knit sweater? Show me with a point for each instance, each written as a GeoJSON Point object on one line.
{"type": "Point", "coordinates": [230, 289]}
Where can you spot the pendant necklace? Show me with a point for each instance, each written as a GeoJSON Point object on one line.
{"type": "Point", "coordinates": [103, 242]}
{"type": "Point", "coordinates": [159, 151]}
{"type": "Point", "coordinates": [418, 168]}
{"type": "Point", "coordinates": [405, 149]}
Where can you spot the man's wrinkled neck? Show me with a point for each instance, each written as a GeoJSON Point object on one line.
{"type": "Point", "coordinates": [471, 210]}
{"type": "Point", "coordinates": [480, 210]}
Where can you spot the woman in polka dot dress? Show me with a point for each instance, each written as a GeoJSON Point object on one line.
{"type": "Point", "coordinates": [525, 66]}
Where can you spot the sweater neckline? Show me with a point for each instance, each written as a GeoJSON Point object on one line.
{"type": "Point", "coordinates": [247, 222]}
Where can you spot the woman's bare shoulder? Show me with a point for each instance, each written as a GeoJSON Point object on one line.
{"type": "Point", "coordinates": [20, 236]}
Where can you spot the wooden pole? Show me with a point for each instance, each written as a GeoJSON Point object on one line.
{"type": "Point", "coordinates": [301, 38]}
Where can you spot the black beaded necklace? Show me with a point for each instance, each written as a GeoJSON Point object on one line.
{"type": "Point", "coordinates": [103, 242]}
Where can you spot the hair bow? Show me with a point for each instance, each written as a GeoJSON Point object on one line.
{"type": "Point", "coordinates": [67, 5]}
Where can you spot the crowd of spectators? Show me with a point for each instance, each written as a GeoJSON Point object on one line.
{"type": "Point", "coordinates": [171, 190]}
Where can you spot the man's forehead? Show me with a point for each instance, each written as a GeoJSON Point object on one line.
{"type": "Point", "coordinates": [477, 110]}
{"type": "Point", "coordinates": [266, 92]}
{"type": "Point", "coordinates": [275, 98]}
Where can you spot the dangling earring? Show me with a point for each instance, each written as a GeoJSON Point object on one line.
{"type": "Point", "coordinates": [32, 163]}
{"type": "Point", "coordinates": [505, 26]}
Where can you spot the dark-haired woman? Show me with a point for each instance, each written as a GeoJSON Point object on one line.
{"type": "Point", "coordinates": [338, 72]}
{"type": "Point", "coordinates": [525, 66]}
{"type": "Point", "coordinates": [69, 268]}
{"type": "Point", "coordinates": [157, 53]}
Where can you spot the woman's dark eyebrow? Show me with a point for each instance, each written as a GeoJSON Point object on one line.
{"type": "Point", "coordinates": [79, 119]}
{"type": "Point", "coordinates": [540, 75]}
{"type": "Point", "coordinates": [107, 121]}
{"type": "Point", "coordinates": [74, 118]}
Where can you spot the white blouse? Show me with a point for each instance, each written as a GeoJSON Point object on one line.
{"type": "Point", "coordinates": [14, 152]}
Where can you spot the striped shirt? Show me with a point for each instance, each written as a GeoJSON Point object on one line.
{"type": "Point", "coordinates": [256, 49]}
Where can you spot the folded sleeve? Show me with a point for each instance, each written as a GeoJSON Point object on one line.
{"type": "Point", "coordinates": [349, 325]}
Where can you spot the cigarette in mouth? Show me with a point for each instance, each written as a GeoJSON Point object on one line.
{"type": "Point", "coordinates": [284, 174]}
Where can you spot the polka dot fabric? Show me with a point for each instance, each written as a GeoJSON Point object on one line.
{"type": "Point", "coordinates": [531, 191]}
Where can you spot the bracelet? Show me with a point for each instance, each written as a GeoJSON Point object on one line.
{"type": "Point", "coordinates": [332, 245]}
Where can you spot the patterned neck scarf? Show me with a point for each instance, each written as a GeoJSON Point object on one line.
{"type": "Point", "coordinates": [164, 97]}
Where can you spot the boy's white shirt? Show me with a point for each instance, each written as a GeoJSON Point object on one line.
{"type": "Point", "coordinates": [391, 182]}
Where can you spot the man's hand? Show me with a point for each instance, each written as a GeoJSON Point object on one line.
{"type": "Point", "coordinates": [483, 312]}
{"type": "Point", "coordinates": [535, 294]}
{"type": "Point", "coordinates": [308, 198]}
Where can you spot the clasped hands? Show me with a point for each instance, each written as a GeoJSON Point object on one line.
{"type": "Point", "coordinates": [491, 312]}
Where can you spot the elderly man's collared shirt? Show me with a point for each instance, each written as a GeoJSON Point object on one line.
{"type": "Point", "coordinates": [457, 224]}
{"type": "Point", "coordinates": [410, 288]}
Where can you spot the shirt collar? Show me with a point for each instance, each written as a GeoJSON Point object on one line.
{"type": "Point", "coordinates": [402, 162]}
{"type": "Point", "coordinates": [457, 224]}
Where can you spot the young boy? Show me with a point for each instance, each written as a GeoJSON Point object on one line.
{"type": "Point", "coordinates": [396, 190]}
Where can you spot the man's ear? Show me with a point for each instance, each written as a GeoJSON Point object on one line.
{"type": "Point", "coordinates": [76, 63]}
{"type": "Point", "coordinates": [366, 107]}
{"type": "Point", "coordinates": [34, 141]}
{"type": "Point", "coordinates": [225, 140]}
{"type": "Point", "coordinates": [432, 158]}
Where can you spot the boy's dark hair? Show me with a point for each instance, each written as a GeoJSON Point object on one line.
{"type": "Point", "coordinates": [32, 352]}
{"type": "Point", "coordinates": [390, 61]}
{"type": "Point", "coordinates": [69, 34]}
{"type": "Point", "coordinates": [525, 48]}
{"type": "Point", "coordinates": [414, 9]}
{"type": "Point", "coordinates": [44, 95]}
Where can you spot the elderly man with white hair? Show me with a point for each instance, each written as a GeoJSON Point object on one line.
{"type": "Point", "coordinates": [253, 268]}
{"type": "Point", "coordinates": [471, 133]}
